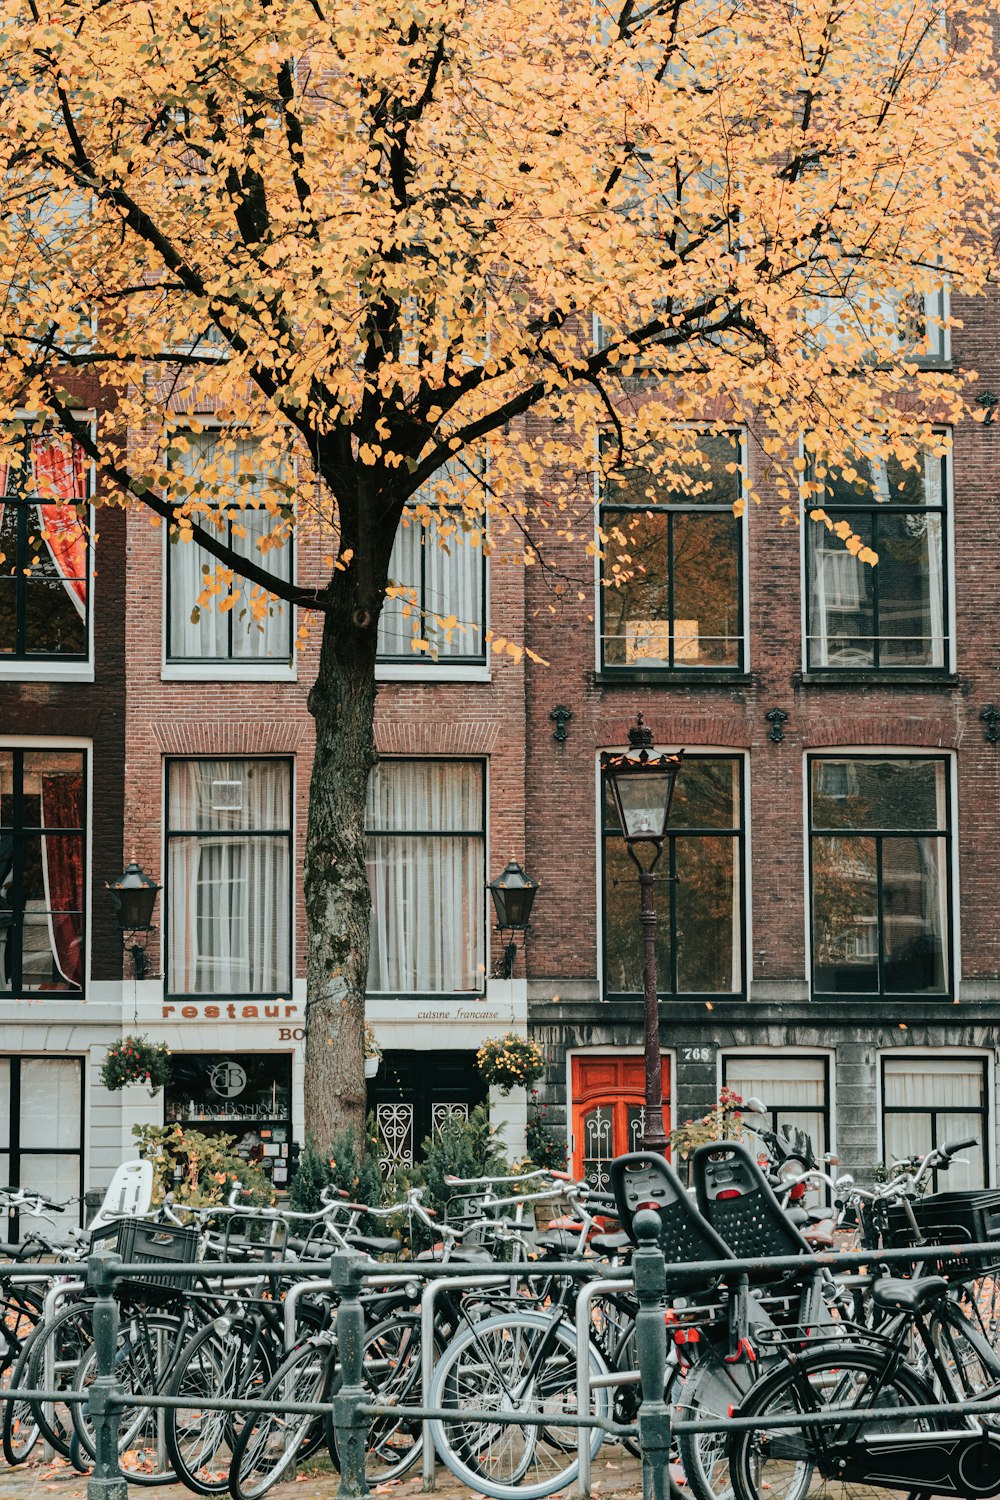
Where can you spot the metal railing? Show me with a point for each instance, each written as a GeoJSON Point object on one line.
{"type": "Point", "coordinates": [352, 1409]}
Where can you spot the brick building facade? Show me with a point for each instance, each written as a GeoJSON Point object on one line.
{"type": "Point", "coordinates": [830, 943]}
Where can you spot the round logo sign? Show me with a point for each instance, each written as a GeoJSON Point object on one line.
{"type": "Point", "coordinates": [228, 1079]}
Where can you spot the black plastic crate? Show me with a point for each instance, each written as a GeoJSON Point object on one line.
{"type": "Point", "coordinates": [160, 1245]}
{"type": "Point", "coordinates": [969, 1217]}
{"type": "Point", "coordinates": [105, 1237]}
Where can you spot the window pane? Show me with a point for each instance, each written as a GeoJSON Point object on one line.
{"type": "Point", "coordinates": [845, 915]}
{"type": "Point", "coordinates": [869, 794]}
{"type": "Point", "coordinates": [707, 625]}
{"type": "Point", "coordinates": [954, 1083]}
{"type": "Point", "coordinates": [440, 796]}
{"type": "Point", "coordinates": [636, 612]}
{"type": "Point", "coordinates": [841, 599]}
{"type": "Point", "coordinates": [51, 1103]}
{"type": "Point", "coordinates": [228, 917]}
{"type": "Point", "coordinates": [427, 914]}
{"type": "Point", "coordinates": [914, 915]}
{"type": "Point", "coordinates": [782, 1081]}
{"type": "Point", "coordinates": [58, 1178]}
{"type": "Point", "coordinates": [910, 594]}
{"type": "Point", "coordinates": [244, 795]}
{"type": "Point", "coordinates": [5, 1067]}
{"type": "Point", "coordinates": [907, 1135]}
{"type": "Point", "coordinates": [701, 479]}
{"type": "Point", "coordinates": [706, 794]}
{"type": "Point", "coordinates": [623, 944]}
{"type": "Point", "coordinates": [708, 920]}
{"type": "Point", "coordinates": [396, 629]}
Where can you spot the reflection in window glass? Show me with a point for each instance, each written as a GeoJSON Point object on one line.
{"type": "Point", "coordinates": [699, 931]}
{"type": "Point", "coordinates": [894, 615]}
{"type": "Point", "coordinates": [879, 839]}
{"type": "Point", "coordinates": [671, 596]}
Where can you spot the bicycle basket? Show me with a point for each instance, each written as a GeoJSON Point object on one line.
{"type": "Point", "coordinates": [158, 1245]}
{"type": "Point", "coordinates": [969, 1217]}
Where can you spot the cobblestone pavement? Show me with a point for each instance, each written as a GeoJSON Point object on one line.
{"type": "Point", "coordinates": [616, 1475]}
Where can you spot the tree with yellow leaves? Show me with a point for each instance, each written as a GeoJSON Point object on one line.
{"type": "Point", "coordinates": [447, 252]}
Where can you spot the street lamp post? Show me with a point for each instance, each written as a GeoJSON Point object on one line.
{"type": "Point", "coordinates": [643, 789]}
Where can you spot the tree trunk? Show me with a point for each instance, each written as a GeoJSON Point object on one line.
{"type": "Point", "coordinates": [337, 896]}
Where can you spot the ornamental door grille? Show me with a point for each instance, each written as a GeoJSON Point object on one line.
{"type": "Point", "coordinates": [609, 1111]}
{"type": "Point", "coordinates": [411, 1100]}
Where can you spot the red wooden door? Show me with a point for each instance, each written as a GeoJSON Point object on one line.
{"type": "Point", "coordinates": [609, 1111]}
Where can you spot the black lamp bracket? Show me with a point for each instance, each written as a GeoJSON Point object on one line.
{"type": "Point", "coordinates": [504, 966]}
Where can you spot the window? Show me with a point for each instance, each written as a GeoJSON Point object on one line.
{"type": "Point", "coordinates": [794, 1088]}
{"type": "Point", "coordinates": [672, 584]}
{"type": "Point", "coordinates": [439, 562]}
{"type": "Point", "coordinates": [41, 1134]}
{"type": "Point", "coordinates": [229, 893]}
{"type": "Point", "coordinates": [44, 552]}
{"type": "Point", "coordinates": [873, 327]}
{"type": "Point", "coordinates": [256, 631]}
{"type": "Point", "coordinates": [699, 931]}
{"type": "Point", "coordinates": [929, 1100]}
{"type": "Point", "coordinates": [248, 1096]}
{"type": "Point", "coordinates": [426, 824]}
{"type": "Point", "coordinates": [893, 616]}
{"type": "Point", "coordinates": [42, 871]}
{"type": "Point", "coordinates": [880, 840]}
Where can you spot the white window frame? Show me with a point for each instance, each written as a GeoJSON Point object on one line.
{"type": "Point", "coordinates": [886, 752]}
{"type": "Point", "coordinates": [889, 673]}
{"type": "Point", "coordinates": [980, 1054]}
{"type": "Point", "coordinates": [707, 751]}
{"type": "Point", "coordinates": [828, 1054]}
{"type": "Point", "coordinates": [81, 670]}
{"type": "Point", "coordinates": [226, 669]}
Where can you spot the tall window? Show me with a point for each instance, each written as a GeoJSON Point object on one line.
{"type": "Point", "coordinates": [229, 845]}
{"type": "Point", "coordinates": [880, 840]}
{"type": "Point", "coordinates": [427, 871]}
{"type": "Point", "coordinates": [439, 565]}
{"type": "Point", "coordinates": [42, 871]}
{"type": "Point", "coordinates": [795, 1089]}
{"type": "Point", "coordinates": [255, 630]}
{"type": "Point", "coordinates": [927, 1101]}
{"type": "Point", "coordinates": [699, 934]}
{"type": "Point", "coordinates": [41, 1132]}
{"type": "Point", "coordinates": [672, 582]}
{"type": "Point", "coordinates": [893, 616]}
{"type": "Point", "coordinates": [44, 551]}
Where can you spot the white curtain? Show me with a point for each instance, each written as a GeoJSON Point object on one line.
{"type": "Point", "coordinates": [229, 872]}
{"type": "Point", "coordinates": [205, 634]}
{"type": "Point", "coordinates": [442, 571]}
{"type": "Point", "coordinates": [950, 1088]}
{"type": "Point", "coordinates": [427, 875]}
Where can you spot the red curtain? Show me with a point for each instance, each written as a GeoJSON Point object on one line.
{"type": "Point", "coordinates": [62, 807]}
{"type": "Point", "coordinates": [59, 474]}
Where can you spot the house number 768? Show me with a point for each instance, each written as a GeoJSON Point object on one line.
{"type": "Point", "coordinates": [697, 1054]}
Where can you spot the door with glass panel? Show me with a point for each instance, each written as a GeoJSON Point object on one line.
{"type": "Point", "coordinates": [609, 1111]}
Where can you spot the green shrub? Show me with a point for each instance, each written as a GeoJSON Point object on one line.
{"type": "Point", "coordinates": [355, 1171]}
{"type": "Point", "coordinates": [198, 1168]}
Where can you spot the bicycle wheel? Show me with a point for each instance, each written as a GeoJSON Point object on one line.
{"type": "Point", "coordinates": [519, 1362]}
{"type": "Point", "coordinates": [232, 1361]}
{"type": "Point", "coordinates": [56, 1348]}
{"type": "Point", "coordinates": [789, 1463]}
{"type": "Point", "coordinates": [967, 1356]}
{"type": "Point", "coordinates": [148, 1343]}
{"type": "Point", "coordinates": [391, 1369]}
{"type": "Point", "coordinates": [270, 1442]}
{"type": "Point", "coordinates": [20, 1423]}
{"type": "Point", "coordinates": [711, 1388]}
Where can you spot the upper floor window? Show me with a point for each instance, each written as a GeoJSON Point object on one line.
{"type": "Point", "coordinates": [42, 871]}
{"type": "Point", "coordinates": [229, 892]}
{"type": "Point", "coordinates": [874, 327]}
{"type": "Point", "coordinates": [893, 616]}
{"type": "Point", "coordinates": [439, 567]}
{"type": "Point", "coordinates": [44, 551]}
{"type": "Point", "coordinates": [256, 630]}
{"type": "Point", "coordinates": [700, 906]}
{"type": "Point", "coordinates": [426, 822]}
{"type": "Point", "coordinates": [672, 574]}
{"type": "Point", "coordinates": [880, 846]}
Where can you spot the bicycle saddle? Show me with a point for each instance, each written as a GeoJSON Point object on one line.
{"type": "Point", "coordinates": [908, 1296]}
{"type": "Point", "coordinates": [372, 1244]}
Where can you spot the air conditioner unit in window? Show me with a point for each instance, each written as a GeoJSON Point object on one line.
{"type": "Point", "coordinates": [227, 796]}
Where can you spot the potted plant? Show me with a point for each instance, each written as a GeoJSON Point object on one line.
{"type": "Point", "coordinates": [511, 1061]}
{"type": "Point", "coordinates": [135, 1059]}
{"type": "Point", "coordinates": [373, 1052]}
